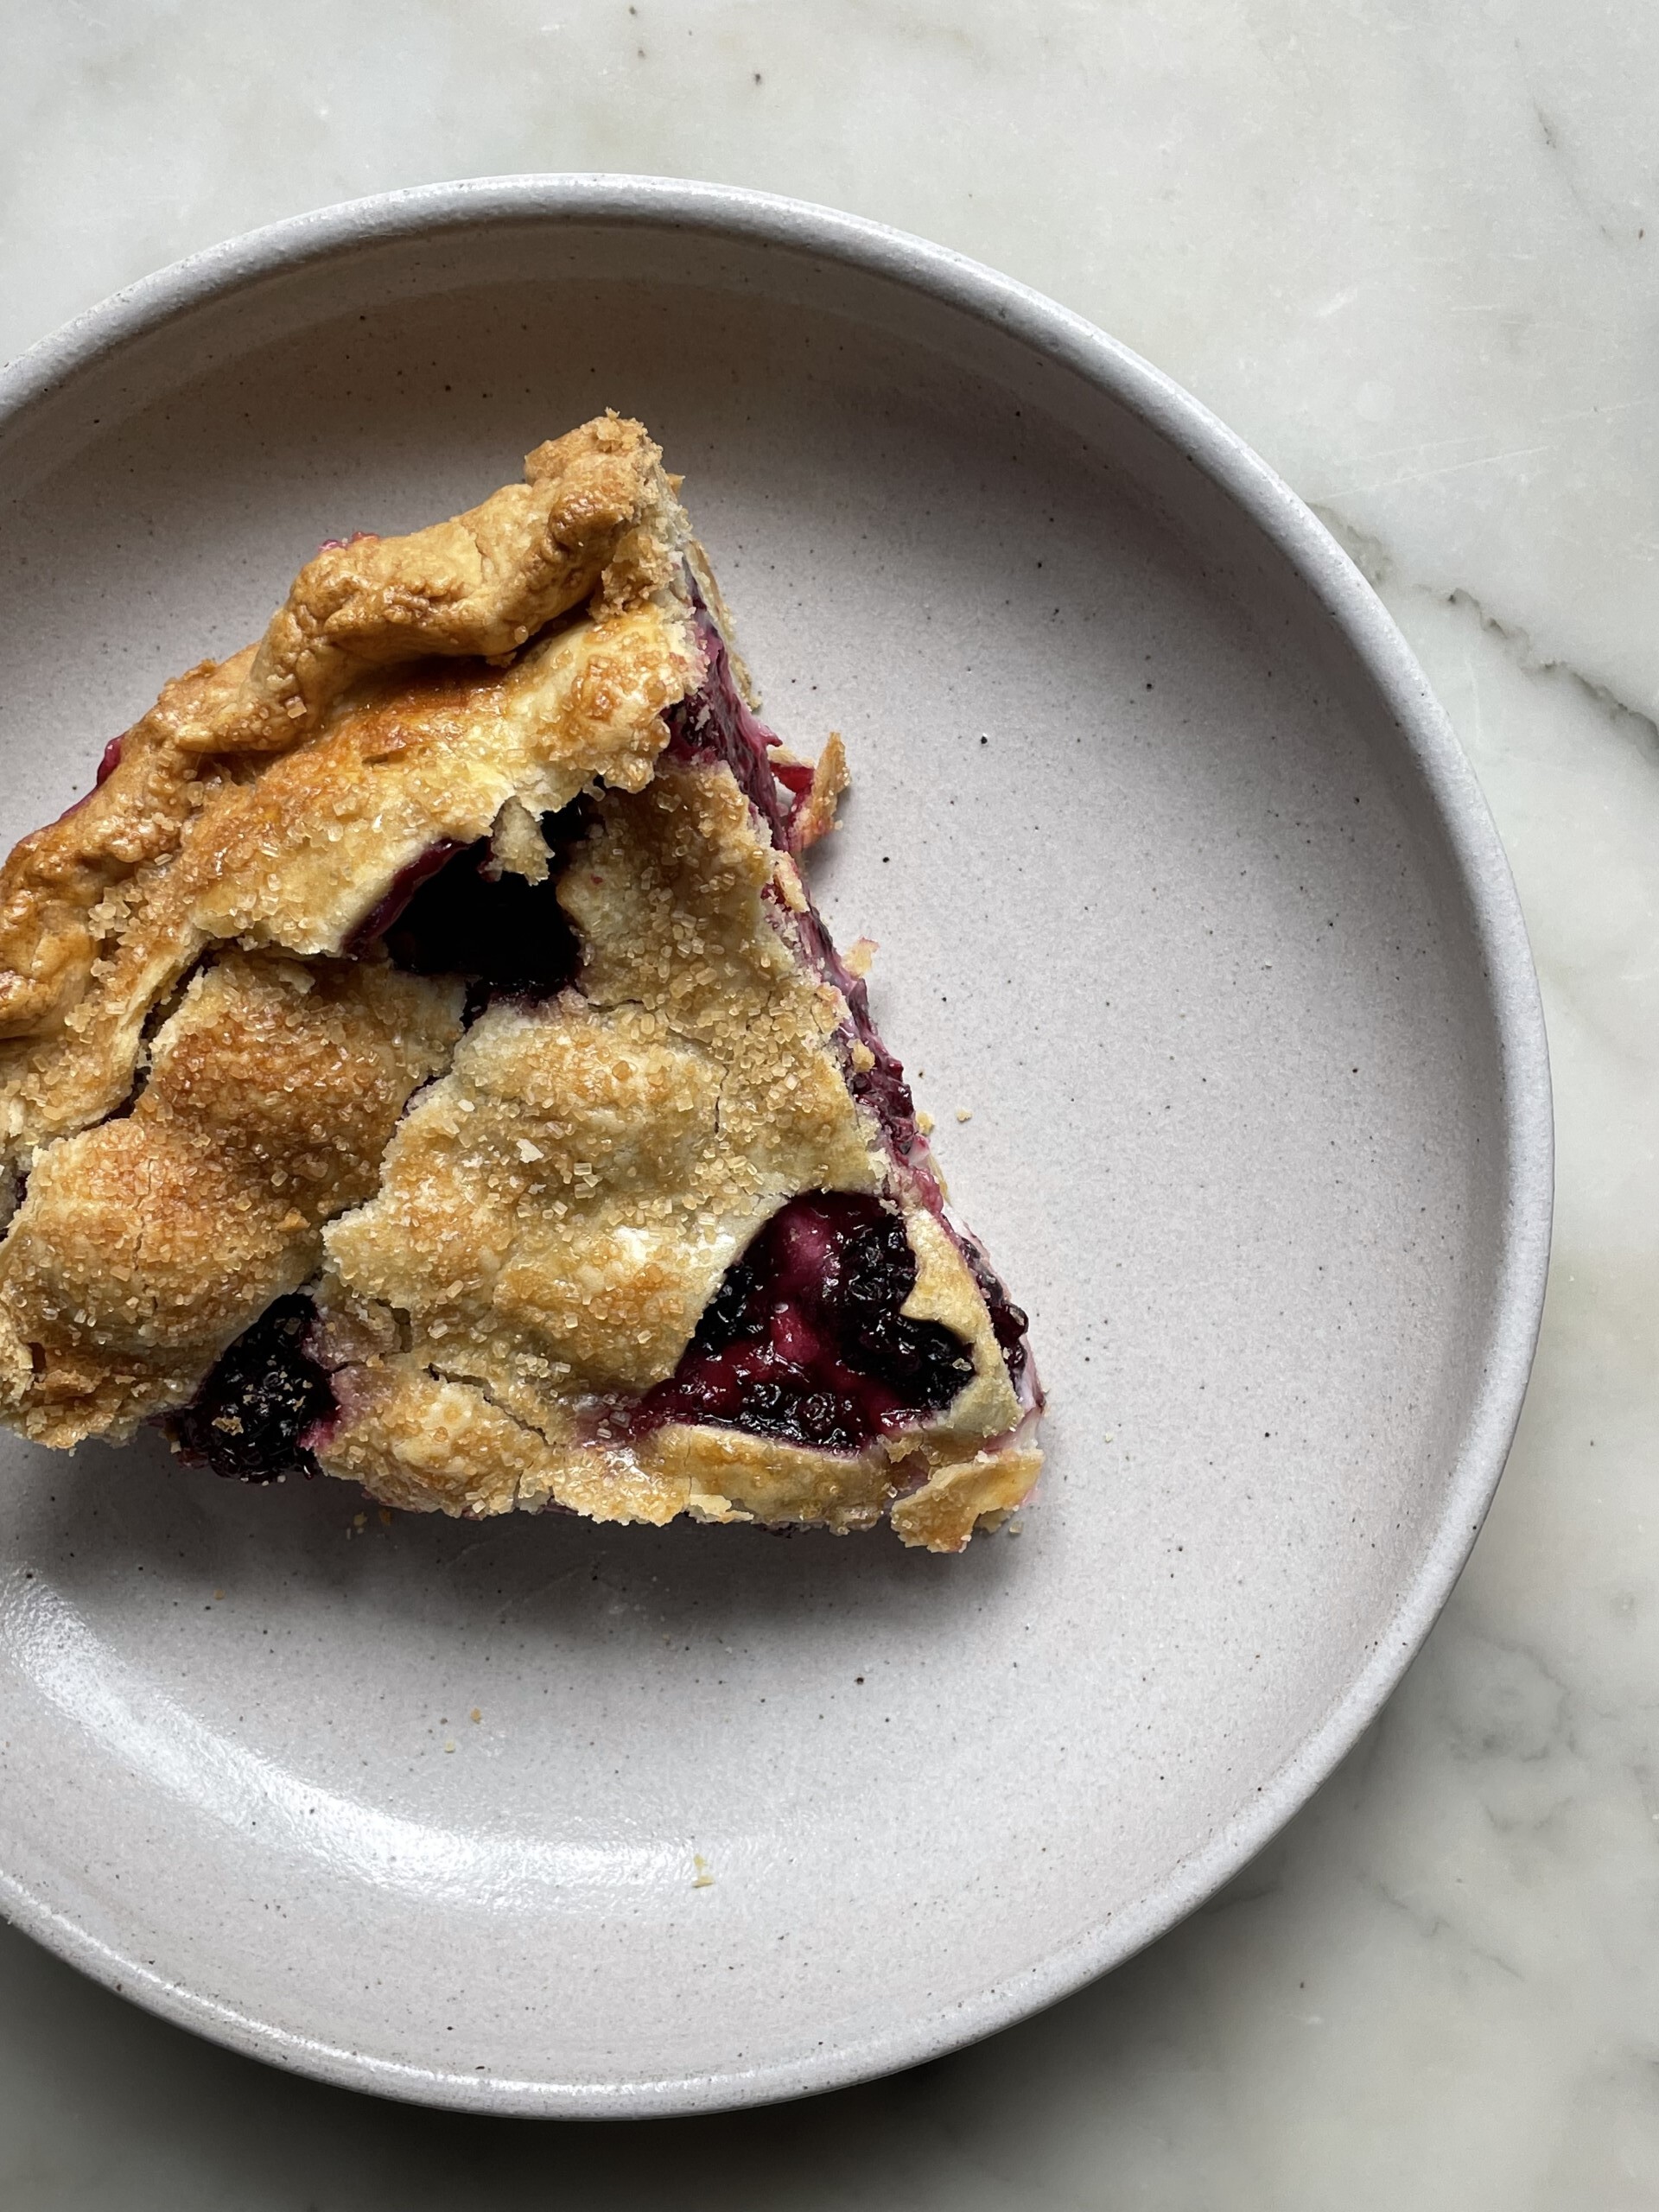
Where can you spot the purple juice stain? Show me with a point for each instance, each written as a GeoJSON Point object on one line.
{"type": "Point", "coordinates": [881, 1084]}
{"type": "Point", "coordinates": [804, 1340]}
{"type": "Point", "coordinates": [716, 723]}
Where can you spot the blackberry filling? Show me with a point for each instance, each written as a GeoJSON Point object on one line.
{"type": "Point", "coordinates": [445, 915]}
{"type": "Point", "coordinates": [804, 1338]}
{"type": "Point", "coordinates": [259, 1400]}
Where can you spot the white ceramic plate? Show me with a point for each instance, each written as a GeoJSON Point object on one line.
{"type": "Point", "coordinates": [1183, 888]}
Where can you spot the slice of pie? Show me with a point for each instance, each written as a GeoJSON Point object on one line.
{"type": "Point", "coordinates": [423, 1064]}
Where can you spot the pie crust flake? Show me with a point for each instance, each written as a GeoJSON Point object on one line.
{"type": "Point", "coordinates": [421, 1062]}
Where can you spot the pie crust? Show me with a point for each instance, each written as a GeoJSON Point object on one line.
{"type": "Point", "coordinates": [445, 958]}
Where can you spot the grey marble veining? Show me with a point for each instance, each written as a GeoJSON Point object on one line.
{"type": "Point", "coordinates": [1409, 251]}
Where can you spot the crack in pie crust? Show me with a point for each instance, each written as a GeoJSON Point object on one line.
{"type": "Point", "coordinates": [422, 1064]}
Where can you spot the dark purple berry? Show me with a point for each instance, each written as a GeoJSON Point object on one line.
{"type": "Point", "coordinates": [804, 1340]}
{"type": "Point", "coordinates": [1008, 1322]}
{"type": "Point", "coordinates": [264, 1395]}
{"type": "Point", "coordinates": [728, 1313]}
{"type": "Point", "coordinates": [447, 916]}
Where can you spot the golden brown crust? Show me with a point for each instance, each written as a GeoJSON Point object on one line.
{"type": "Point", "coordinates": [143, 1246]}
{"type": "Point", "coordinates": [554, 1214]}
{"type": "Point", "coordinates": [299, 854]}
{"type": "Point", "coordinates": [427, 1442]}
{"type": "Point", "coordinates": [595, 518]}
{"type": "Point", "coordinates": [510, 1263]}
{"type": "Point", "coordinates": [977, 1490]}
{"type": "Point", "coordinates": [830, 780]}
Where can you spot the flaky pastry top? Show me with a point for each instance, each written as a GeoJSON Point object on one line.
{"type": "Point", "coordinates": [215, 1088]}
{"type": "Point", "coordinates": [274, 799]}
{"type": "Point", "coordinates": [556, 1212]}
{"type": "Point", "coordinates": [144, 1245]}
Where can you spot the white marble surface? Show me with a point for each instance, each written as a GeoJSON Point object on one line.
{"type": "Point", "coordinates": [1411, 251]}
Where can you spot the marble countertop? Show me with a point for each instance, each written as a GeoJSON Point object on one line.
{"type": "Point", "coordinates": [1411, 251]}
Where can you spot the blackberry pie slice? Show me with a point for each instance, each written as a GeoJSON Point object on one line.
{"type": "Point", "coordinates": [422, 1064]}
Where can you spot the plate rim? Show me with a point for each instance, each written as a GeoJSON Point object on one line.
{"type": "Point", "coordinates": [1514, 1312]}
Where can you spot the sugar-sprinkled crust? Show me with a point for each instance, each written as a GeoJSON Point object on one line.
{"type": "Point", "coordinates": [562, 1205]}
{"type": "Point", "coordinates": [215, 1087]}
{"type": "Point", "coordinates": [595, 521]}
{"type": "Point", "coordinates": [146, 1244]}
{"type": "Point", "coordinates": [555, 1214]}
{"type": "Point", "coordinates": [300, 854]}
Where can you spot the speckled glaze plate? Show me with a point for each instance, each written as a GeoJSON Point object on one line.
{"type": "Point", "coordinates": [1184, 891]}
